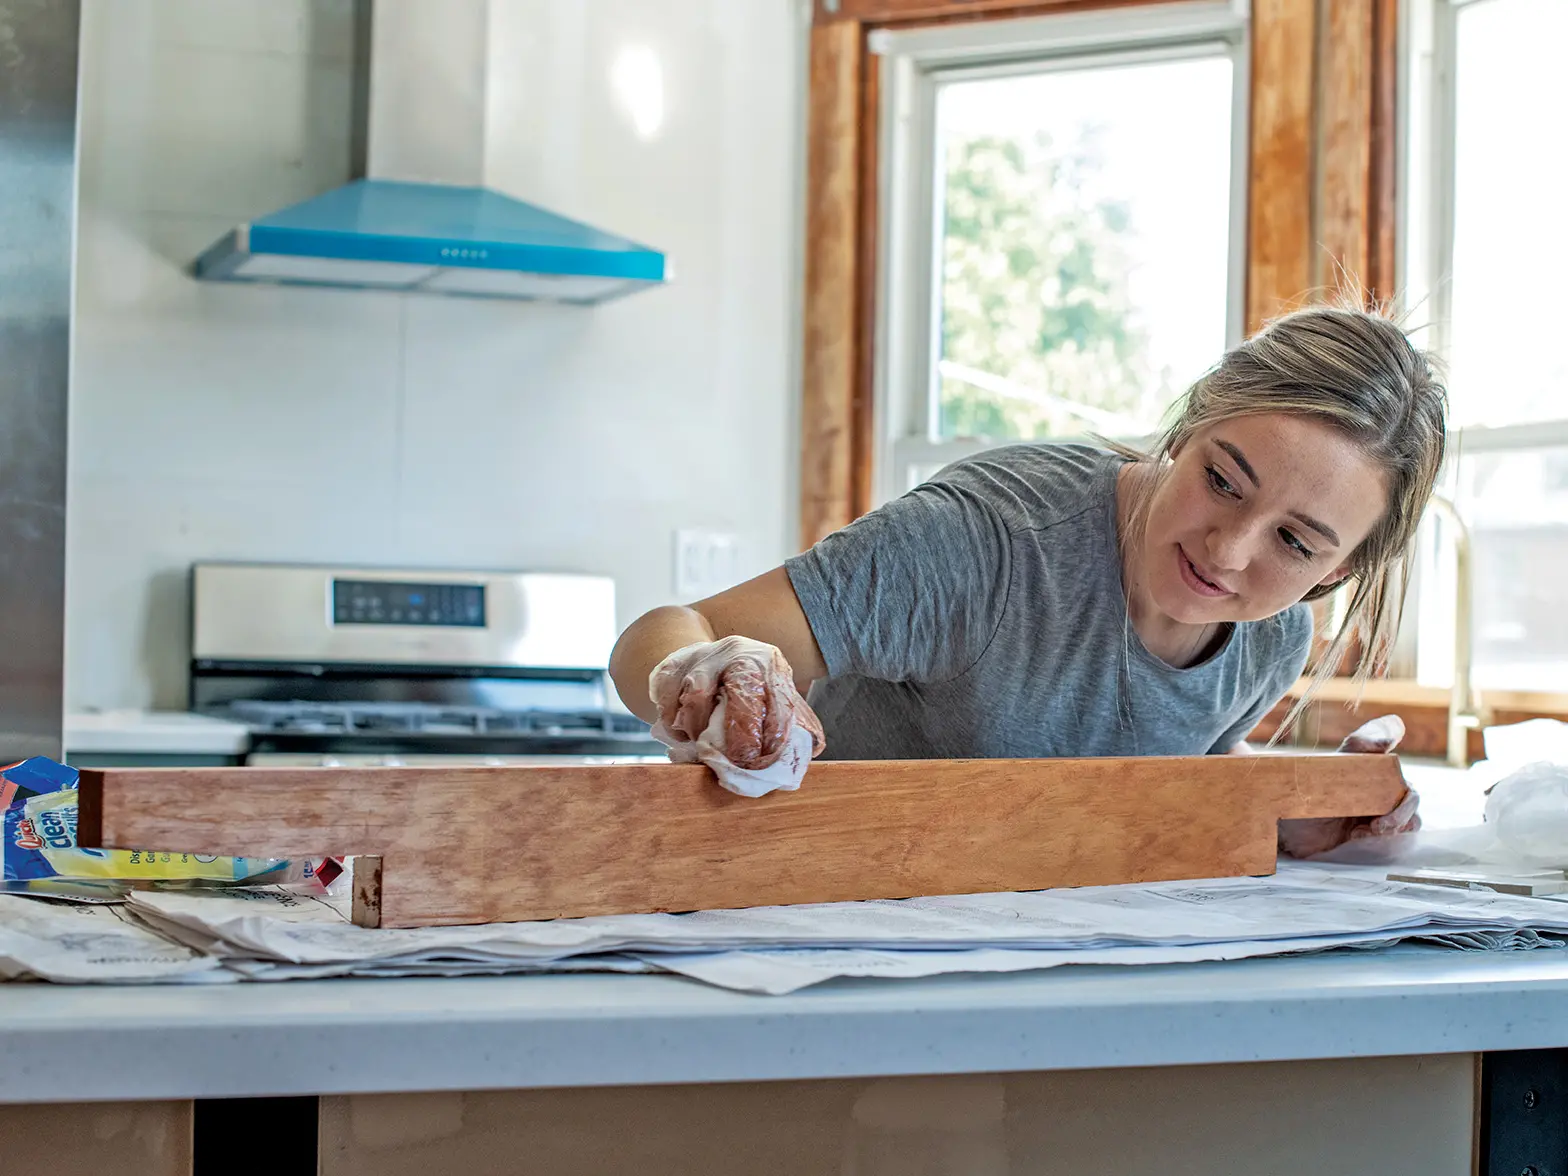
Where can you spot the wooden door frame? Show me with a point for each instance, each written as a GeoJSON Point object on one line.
{"type": "Point", "coordinates": [1321, 199]}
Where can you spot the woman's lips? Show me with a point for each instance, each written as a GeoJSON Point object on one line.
{"type": "Point", "coordinates": [1195, 579]}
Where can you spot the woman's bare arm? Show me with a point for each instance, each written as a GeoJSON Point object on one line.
{"type": "Point", "coordinates": [764, 609]}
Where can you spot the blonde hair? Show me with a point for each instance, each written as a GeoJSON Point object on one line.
{"type": "Point", "coordinates": [1357, 371]}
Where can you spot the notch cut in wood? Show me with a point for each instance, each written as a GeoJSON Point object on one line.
{"type": "Point", "coordinates": [480, 845]}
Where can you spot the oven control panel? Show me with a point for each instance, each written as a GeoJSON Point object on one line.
{"type": "Point", "coordinates": [385, 602]}
{"type": "Point", "coordinates": [309, 615]}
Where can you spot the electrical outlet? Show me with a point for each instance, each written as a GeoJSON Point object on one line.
{"type": "Point", "coordinates": [705, 562]}
{"type": "Point", "coordinates": [722, 560]}
{"type": "Point", "coordinates": [687, 566]}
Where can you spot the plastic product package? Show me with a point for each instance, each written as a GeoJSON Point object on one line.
{"type": "Point", "coordinates": [38, 803]}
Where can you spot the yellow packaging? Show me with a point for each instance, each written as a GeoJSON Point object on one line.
{"type": "Point", "coordinates": [38, 802]}
{"type": "Point", "coordinates": [53, 817]}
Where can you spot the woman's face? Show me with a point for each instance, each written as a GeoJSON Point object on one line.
{"type": "Point", "coordinates": [1255, 512]}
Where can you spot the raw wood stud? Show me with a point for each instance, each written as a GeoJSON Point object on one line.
{"type": "Point", "coordinates": [481, 845]}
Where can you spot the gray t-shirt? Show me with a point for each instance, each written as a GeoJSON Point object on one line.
{"type": "Point", "coordinates": [982, 615]}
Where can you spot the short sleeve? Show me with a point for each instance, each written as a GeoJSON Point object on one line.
{"type": "Point", "coordinates": [1284, 660]}
{"type": "Point", "coordinates": [913, 591]}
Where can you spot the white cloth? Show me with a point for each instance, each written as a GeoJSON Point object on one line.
{"type": "Point", "coordinates": [783, 775]}
{"type": "Point", "coordinates": [775, 736]}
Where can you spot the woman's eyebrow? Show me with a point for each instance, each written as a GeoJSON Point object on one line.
{"type": "Point", "coordinates": [1240, 459]}
{"type": "Point", "coordinates": [1322, 529]}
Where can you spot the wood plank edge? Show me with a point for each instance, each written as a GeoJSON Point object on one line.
{"type": "Point", "coordinates": [89, 808]}
{"type": "Point", "coordinates": [367, 891]}
{"type": "Point", "coordinates": [1253, 860]}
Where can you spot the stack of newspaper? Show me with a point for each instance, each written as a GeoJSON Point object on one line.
{"type": "Point", "coordinates": [275, 933]}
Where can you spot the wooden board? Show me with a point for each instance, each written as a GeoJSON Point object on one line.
{"type": "Point", "coordinates": [479, 845]}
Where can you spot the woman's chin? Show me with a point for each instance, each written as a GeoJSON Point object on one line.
{"type": "Point", "coordinates": [1182, 605]}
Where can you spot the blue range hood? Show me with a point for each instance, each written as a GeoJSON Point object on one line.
{"type": "Point", "coordinates": [433, 238]}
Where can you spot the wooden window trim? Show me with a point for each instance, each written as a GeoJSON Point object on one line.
{"type": "Point", "coordinates": [835, 456]}
{"type": "Point", "coordinates": [907, 13]}
{"type": "Point", "coordinates": [1321, 167]}
{"type": "Point", "coordinates": [1339, 707]}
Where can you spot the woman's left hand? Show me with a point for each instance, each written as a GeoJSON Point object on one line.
{"type": "Point", "coordinates": [1314, 835]}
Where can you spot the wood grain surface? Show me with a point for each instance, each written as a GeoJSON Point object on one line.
{"type": "Point", "coordinates": [832, 282]}
{"type": "Point", "coordinates": [910, 12]}
{"type": "Point", "coordinates": [478, 845]}
{"type": "Point", "coordinates": [1383, 207]}
{"type": "Point", "coordinates": [1279, 212]}
{"type": "Point", "coordinates": [1345, 190]}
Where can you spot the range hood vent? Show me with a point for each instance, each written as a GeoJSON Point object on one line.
{"type": "Point", "coordinates": [433, 238]}
{"type": "Point", "coordinates": [425, 222]}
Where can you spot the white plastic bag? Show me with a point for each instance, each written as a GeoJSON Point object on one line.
{"type": "Point", "coordinates": [1529, 812]}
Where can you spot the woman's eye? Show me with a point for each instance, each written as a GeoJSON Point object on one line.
{"type": "Point", "coordinates": [1218, 482]}
{"type": "Point", "coordinates": [1295, 544]}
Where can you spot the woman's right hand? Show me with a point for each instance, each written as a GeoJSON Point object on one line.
{"type": "Point", "coordinates": [761, 709]}
{"type": "Point", "coordinates": [1306, 837]}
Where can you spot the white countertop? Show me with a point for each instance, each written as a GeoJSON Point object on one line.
{"type": "Point", "coordinates": [342, 1036]}
{"type": "Point", "coordinates": [140, 732]}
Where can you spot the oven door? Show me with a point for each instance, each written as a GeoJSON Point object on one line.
{"type": "Point", "coordinates": [319, 759]}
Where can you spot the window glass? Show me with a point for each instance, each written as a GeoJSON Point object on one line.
{"type": "Point", "coordinates": [1084, 245]}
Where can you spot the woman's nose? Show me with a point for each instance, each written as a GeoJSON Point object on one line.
{"type": "Point", "coordinates": [1230, 547]}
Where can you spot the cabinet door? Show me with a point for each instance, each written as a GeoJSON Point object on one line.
{"type": "Point", "coordinates": [96, 1139]}
{"type": "Point", "coordinates": [1392, 1116]}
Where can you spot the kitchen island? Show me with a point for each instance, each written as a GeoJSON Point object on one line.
{"type": "Point", "coordinates": [1352, 1061]}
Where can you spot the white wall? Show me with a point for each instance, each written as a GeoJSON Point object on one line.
{"type": "Point", "coordinates": [229, 422]}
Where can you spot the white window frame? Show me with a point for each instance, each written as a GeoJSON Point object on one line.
{"type": "Point", "coordinates": [1424, 244]}
{"type": "Point", "coordinates": [916, 64]}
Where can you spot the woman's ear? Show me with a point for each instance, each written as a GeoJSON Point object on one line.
{"type": "Point", "coordinates": [1335, 578]}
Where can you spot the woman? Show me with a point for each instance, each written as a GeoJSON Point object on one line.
{"type": "Point", "coordinates": [1066, 600]}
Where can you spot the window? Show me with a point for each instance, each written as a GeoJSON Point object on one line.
{"type": "Point", "coordinates": [1488, 247]}
{"type": "Point", "coordinates": [1509, 242]}
{"type": "Point", "coordinates": [1516, 506]}
{"type": "Point", "coordinates": [1062, 227]}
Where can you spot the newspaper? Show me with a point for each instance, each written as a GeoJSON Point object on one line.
{"type": "Point", "coordinates": [282, 933]}
{"type": "Point", "coordinates": [276, 933]}
{"type": "Point", "coordinates": [72, 943]}
{"type": "Point", "coordinates": [776, 973]}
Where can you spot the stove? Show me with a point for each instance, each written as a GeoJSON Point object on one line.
{"type": "Point", "coordinates": [380, 666]}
